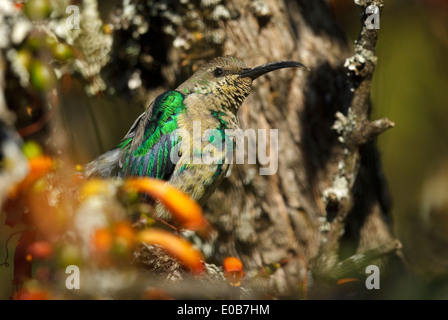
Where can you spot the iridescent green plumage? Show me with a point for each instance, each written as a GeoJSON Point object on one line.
{"type": "Point", "coordinates": [210, 99]}
{"type": "Point", "coordinates": [147, 152]}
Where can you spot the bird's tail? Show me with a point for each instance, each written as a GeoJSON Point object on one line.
{"type": "Point", "coordinates": [105, 166]}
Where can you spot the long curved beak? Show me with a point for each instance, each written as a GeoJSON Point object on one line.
{"type": "Point", "coordinates": [254, 73]}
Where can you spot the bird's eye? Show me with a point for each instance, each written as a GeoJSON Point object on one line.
{"type": "Point", "coordinates": [218, 72]}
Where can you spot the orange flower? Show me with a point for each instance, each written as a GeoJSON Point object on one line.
{"type": "Point", "coordinates": [156, 294]}
{"type": "Point", "coordinates": [39, 167]}
{"type": "Point", "coordinates": [40, 249]}
{"type": "Point", "coordinates": [347, 280]}
{"type": "Point", "coordinates": [233, 270]}
{"type": "Point", "coordinates": [31, 294]}
{"type": "Point", "coordinates": [124, 234]}
{"type": "Point", "coordinates": [183, 208]}
{"type": "Point", "coordinates": [176, 246]}
{"type": "Point", "coordinates": [116, 239]}
{"type": "Point", "coordinates": [95, 187]}
{"type": "Point", "coordinates": [102, 240]}
{"type": "Point", "coordinates": [18, 5]}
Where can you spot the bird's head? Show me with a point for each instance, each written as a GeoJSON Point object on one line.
{"type": "Point", "coordinates": [228, 79]}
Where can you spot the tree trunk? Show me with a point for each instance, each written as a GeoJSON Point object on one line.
{"type": "Point", "coordinates": [285, 218]}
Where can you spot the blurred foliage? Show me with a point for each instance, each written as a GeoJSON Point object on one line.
{"type": "Point", "coordinates": [67, 220]}
{"type": "Point", "coordinates": [410, 88]}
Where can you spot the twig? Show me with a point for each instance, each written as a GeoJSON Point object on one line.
{"type": "Point", "coordinates": [361, 260]}
{"type": "Point", "coordinates": [354, 129]}
{"type": "Point", "coordinates": [36, 126]}
{"type": "Point", "coordinates": [5, 263]}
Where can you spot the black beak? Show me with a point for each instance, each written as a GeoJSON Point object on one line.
{"type": "Point", "coordinates": [254, 73]}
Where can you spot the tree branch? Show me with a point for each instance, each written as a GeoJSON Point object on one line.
{"type": "Point", "coordinates": [354, 129]}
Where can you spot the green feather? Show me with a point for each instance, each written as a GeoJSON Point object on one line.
{"type": "Point", "coordinates": [140, 166]}
{"type": "Point", "coordinates": [166, 110]}
{"type": "Point", "coordinates": [151, 156]}
{"type": "Point", "coordinates": [159, 163]}
{"type": "Point", "coordinates": [169, 127]}
{"type": "Point", "coordinates": [150, 164]}
{"type": "Point", "coordinates": [124, 143]}
{"type": "Point", "coordinates": [126, 162]}
{"type": "Point", "coordinates": [134, 164]}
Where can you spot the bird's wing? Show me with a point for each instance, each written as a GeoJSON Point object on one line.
{"type": "Point", "coordinates": [147, 147]}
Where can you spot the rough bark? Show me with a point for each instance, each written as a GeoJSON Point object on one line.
{"type": "Point", "coordinates": [324, 189]}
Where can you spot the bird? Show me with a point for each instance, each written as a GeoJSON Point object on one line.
{"type": "Point", "coordinates": [208, 100]}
